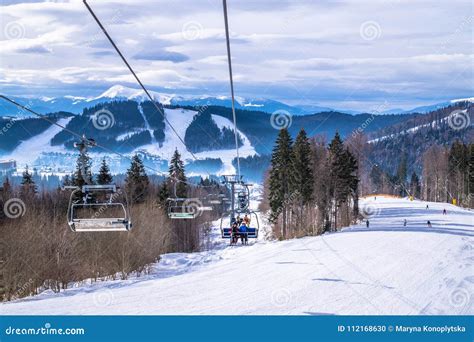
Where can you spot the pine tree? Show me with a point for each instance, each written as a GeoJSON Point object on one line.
{"type": "Point", "coordinates": [104, 176]}
{"type": "Point", "coordinates": [163, 194]}
{"type": "Point", "coordinates": [280, 178]}
{"type": "Point", "coordinates": [342, 174]}
{"type": "Point", "coordinates": [415, 187]}
{"type": "Point", "coordinates": [136, 181]}
{"type": "Point", "coordinates": [177, 175]}
{"type": "Point", "coordinates": [28, 186]}
{"type": "Point", "coordinates": [83, 173]}
{"type": "Point", "coordinates": [303, 179]}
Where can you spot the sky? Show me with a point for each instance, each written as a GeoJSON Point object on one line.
{"type": "Point", "coordinates": [356, 55]}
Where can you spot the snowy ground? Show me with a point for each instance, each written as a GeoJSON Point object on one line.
{"type": "Point", "coordinates": [29, 150]}
{"type": "Point", "coordinates": [386, 269]}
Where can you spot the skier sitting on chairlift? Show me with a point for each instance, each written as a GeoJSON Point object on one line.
{"type": "Point", "coordinates": [243, 234]}
{"type": "Point", "coordinates": [235, 234]}
{"type": "Point", "coordinates": [246, 220]}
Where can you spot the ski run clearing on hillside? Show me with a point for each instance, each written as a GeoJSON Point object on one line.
{"type": "Point", "coordinates": [384, 269]}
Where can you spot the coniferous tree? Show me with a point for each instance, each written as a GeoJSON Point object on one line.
{"type": "Point", "coordinates": [28, 186]}
{"type": "Point", "coordinates": [163, 194]}
{"type": "Point", "coordinates": [280, 178]}
{"type": "Point", "coordinates": [177, 175]}
{"type": "Point", "coordinates": [342, 174]}
{"type": "Point", "coordinates": [136, 181]}
{"type": "Point", "coordinates": [415, 187]}
{"type": "Point", "coordinates": [104, 177]}
{"type": "Point", "coordinates": [83, 173]}
{"type": "Point", "coordinates": [303, 179]}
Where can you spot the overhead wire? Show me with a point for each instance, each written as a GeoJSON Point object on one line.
{"type": "Point", "coordinates": [135, 75]}
{"type": "Point", "coordinates": [229, 62]}
{"type": "Point", "coordinates": [81, 137]}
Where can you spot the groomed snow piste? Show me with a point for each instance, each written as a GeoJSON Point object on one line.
{"type": "Point", "coordinates": [385, 269]}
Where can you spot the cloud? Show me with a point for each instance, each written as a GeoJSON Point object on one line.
{"type": "Point", "coordinates": [33, 49]}
{"type": "Point", "coordinates": [297, 51]}
{"type": "Point", "coordinates": [161, 55]}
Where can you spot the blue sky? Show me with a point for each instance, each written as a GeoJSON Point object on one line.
{"type": "Point", "coordinates": [344, 54]}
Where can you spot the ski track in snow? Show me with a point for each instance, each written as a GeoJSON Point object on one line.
{"type": "Point", "coordinates": [386, 269]}
{"type": "Point", "coordinates": [29, 150]}
{"type": "Point", "coordinates": [180, 119]}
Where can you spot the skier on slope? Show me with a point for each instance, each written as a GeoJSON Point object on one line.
{"type": "Point", "coordinates": [367, 223]}
{"type": "Point", "coordinates": [444, 211]}
{"type": "Point", "coordinates": [404, 222]}
{"type": "Point", "coordinates": [429, 223]}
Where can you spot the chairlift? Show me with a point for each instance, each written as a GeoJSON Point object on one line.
{"type": "Point", "coordinates": [213, 199]}
{"type": "Point", "coordinates": [252, 230]}
{"type": "Point", "coordinates": [103, 211]}
{"type": "Point", "coordinates": [183, 208]}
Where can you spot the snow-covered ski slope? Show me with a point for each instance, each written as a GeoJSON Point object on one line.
{"type": "Point", "coordinates": [386, 269]}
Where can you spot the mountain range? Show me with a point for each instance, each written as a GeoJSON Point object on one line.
{"type": "Point", "coordinates": [76, 104]}
{"type": "Point", "coordinates": [133, 125]}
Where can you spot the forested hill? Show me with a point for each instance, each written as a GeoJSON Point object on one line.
{"type": "Point", "coordinates": [262, 128]}
{"type": "Point", "coordinates": [411, 138]}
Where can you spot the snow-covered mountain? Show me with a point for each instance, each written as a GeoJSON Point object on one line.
{"type": "Point", "coordinates": [429, 108]}
{"type": "Point", "coordinates": [75, 104]}
{"type": "Point", "coordinates": [42, 151]}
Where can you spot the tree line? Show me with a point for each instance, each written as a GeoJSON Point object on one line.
{"type": "Point", "coordinates": [447, 176]}
{"type": "Point", "coordinates": [311, 187]}
{"type": "Point", "coordinates": [39, 252]}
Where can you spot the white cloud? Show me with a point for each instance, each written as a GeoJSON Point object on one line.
{"type": "Point", "coordinates": [303, 51]}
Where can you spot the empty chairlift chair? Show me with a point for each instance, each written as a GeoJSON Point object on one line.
{"type": "Point", "coordinates": [183, 208]}
{"type": "Point", "coordinates": [98, 208]}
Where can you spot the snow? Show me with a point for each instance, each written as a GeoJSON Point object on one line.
{"type": "Point", "coordinates": [385, 269]}
{"type": "Point", "coordinates": [469, 99]}
{"type": "Point", "coordinates": [180, 119]}
{"type": "Point", "coordinates": [120, 91]}
{"type": "Point", "coordinates": [433, 124]}
{"type": "Point", "coordinates": [124, 136]}
{"type": "Point", "coordinates": [29, 150]}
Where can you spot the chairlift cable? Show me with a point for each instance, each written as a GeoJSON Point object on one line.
{"type": "Point", "coordinates": [229, 60]}
{"type": "Point", "coordinates": [135, 75]}
{"type": "Point", "coordinates": [81, 137]}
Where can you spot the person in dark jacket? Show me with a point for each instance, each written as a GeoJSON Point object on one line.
{"type": "Point", "coordinates": [234, 233]}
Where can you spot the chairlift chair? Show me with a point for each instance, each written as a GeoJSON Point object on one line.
{"type": "Point", "coordinates": [100, 208]}
{"type": "Point", "coordinates": [185, 208]}
{"type": "Point", "coordinates": [252, 232]}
